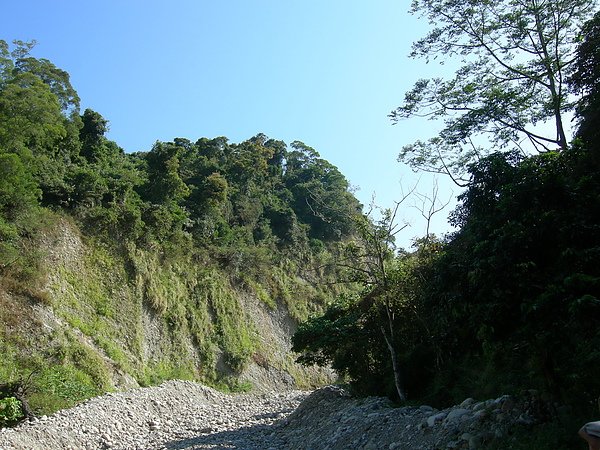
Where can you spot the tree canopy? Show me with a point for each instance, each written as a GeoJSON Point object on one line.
{"type": "Point", "coordinates": [515, 55]}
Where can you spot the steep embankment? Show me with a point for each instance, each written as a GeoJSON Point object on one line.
{"type": "Point", "coordinates": [106, 318]}
{"type": "Point", "coordinates": [185, 415]}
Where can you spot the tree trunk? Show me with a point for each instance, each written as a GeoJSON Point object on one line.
{"type": "Point", "coordinates": [561, 136]}
{"type": "Point", "coordinates": [395, 366]}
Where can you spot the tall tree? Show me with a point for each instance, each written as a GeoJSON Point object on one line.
{"type": "Point", "coordinates": [585, 80]}
{"type": "Point", "coordinates": [321, 193]}
{"type": "Point", "coordinates": [377, 255]}
{"type": "Point", "coordinates": [30, 116]}
{"type": "Point", "coordinates": [39, 117]}
{"type": "Point", "coordinates": [92, 133]}
{"type": "Point", "coordinates": [164, 191]}
{"type": "Point", "coordinates": [57, 79]}
{"type": "Point", "coordinates": [515, 55]}
{"type": "Point", "coordinates": [372, 337]}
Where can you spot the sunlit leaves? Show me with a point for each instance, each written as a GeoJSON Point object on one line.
{"type": "Point", "coordinates": [515, 56]}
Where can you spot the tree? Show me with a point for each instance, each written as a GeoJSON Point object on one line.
{"type": "Point", "coordinates": [516, 55]}
{"type": "Point", "coordinates": [8, 57]}
{"type": "Point", "coordinates": [32, 126]}
{"type": "Point", "coordinates": [57, 79]}
{"type": "Point", "coordinates": [92, 134]}
{"type": "Point", "coordinates": [164, 182]}
{"type": "Point", "coordinates": [377, 255]}
{"type": "Point", "coordinates": [513, 302]}
{"type": "Point", "coordinates": [378, 337]}
{"type": "Point", "coordinates": [18, 61]}
{"type": "Point", "coordinates": [165, 191]}
{"type": "Point", "coordinates": [321, 193]}
{"type": "Point", "coordinates": [585, 80]}
{"type": "Point", "coordinates": [18, 189]}
{"type": "Point", "coordinates": [39, 117]}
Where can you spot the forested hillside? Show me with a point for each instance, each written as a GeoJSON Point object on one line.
{"type": "Point", "coordinates": [121, 269]}
{"type": "Point", "coordinates": [199, 259]}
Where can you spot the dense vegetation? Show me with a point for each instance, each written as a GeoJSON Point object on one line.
{"type": "Point", "coordinates": [175, 235]}
{"type": "Point", "coordinates": [510, 301]}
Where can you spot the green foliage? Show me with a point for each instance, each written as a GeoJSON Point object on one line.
{"type": "Point", "coordinates": [39, 118]}
{"type": "Point", "coordinates": [18, 201]}
{"type": "Point", "coordinates": [584, 80]}
{"type": "Point", "coordinates": [18, 190]}
{"type": "Point", "coordinates": [233, 330]}
{"type": "Point", "coordinates": [331, 338]}
{"type": "Point", "coordinates": [10, 411]}
{"type": "Point", "coordinates": [154, 374]}
{"type": "Point", "coordinates": [519, 276]}
{"type": "Point", "coordinates": [164, 183]}
{"type": "Point", "coordinates": [31, 117]}
{"type": "Point", "coordinates": [320, 194]}
{"type": "Point", "coordinates": [233, 385]}
{"type": "Point", "coordinates": [510, 300]}
{"type": "Point", "coordinates": [60, 371]}
{"type": "Point", "coordinates": [515, 56]}
{"type": "Point", "coordinates": [179, 236]}
{"type": "Point", "coordinates": [175, 239]}
{"type": "Point", "coordinates": [91, 135]}
{"type": "Point", "coordinates": [351, 335]}
{"type": "Point", "coordinates": [68, 384]}
{"type": "Point", "coordinates": [57, 79]}
{"type": "Point", "coordinates": [214, 189]}
{"type": "Point", "coordinates": [22, 268]}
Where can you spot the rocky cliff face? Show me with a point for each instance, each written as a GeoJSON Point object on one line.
{"type": "Point", "coordinates": [109, 319]}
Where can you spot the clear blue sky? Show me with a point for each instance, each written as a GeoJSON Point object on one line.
{"type": "Point", "coordinates": [325, 72]}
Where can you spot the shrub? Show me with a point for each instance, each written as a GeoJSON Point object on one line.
{"type": "Point", "coordinates": [10, 411]}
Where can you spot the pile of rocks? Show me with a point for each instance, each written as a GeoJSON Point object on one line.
{"type": "Point", "coordinates": [331, 419]}
{"type": "Point", "coordinates": [174, 415]}
{"type": "Point", "coordinates": [474, 424]}
{"type": "Point", "coordinates": [185, 415]}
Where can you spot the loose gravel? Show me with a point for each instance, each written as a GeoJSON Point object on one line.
{"type": "Point", "coordinates": [184, 415]}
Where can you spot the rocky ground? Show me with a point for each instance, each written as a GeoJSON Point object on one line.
{"type": "Point", "coordinates": [186, 415]}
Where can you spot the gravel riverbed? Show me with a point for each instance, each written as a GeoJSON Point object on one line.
{"type": "Point", "coordinates": [187, 415]}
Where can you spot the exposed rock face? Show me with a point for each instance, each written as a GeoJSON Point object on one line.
{"type": "Point", "coordinates": [85, 282]}
{"type": "Point", "coordinates": [186, 415]}
{"type": "Point", "coordinates": [281, 372]}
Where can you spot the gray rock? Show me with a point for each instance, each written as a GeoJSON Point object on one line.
{"type": "Point", "coordinates": [480, 414]}
{"type": "Point", "coordinates": [475, 442]}
{"type": "Point", "coordinates": [188, 416]}
{"type": "Point", "coordinates": [467, 402]}
{"type": "Point", "coordinates": [457, 414]}
{"type": "Point", "coordinates": [436, 418]}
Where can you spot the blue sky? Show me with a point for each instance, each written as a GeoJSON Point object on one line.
{"type": "Point", "coordinates": [325, 72]}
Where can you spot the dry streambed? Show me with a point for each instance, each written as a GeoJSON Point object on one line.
{"type": "Point", "coordinates": [186, 415]}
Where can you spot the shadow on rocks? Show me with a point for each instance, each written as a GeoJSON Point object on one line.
{"type": "Point", "coordinates": [256, 437]}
